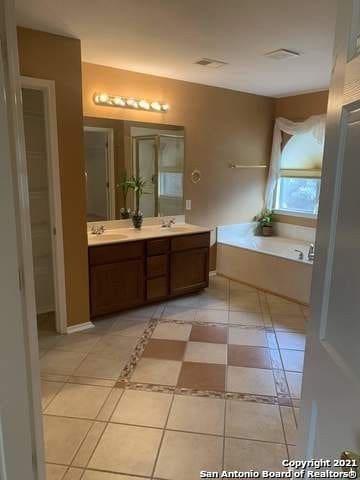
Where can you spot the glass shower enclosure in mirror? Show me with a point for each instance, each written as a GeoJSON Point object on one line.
{"type": "Point", "coordinates": [115, 149]}
{"type": "Point", "coordinates": [159, 159]}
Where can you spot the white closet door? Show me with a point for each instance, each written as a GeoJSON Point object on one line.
{"type": "Point", "coordinates": [36, 156]}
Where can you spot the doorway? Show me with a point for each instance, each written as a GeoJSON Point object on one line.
{"type": "Point", "coordinates": [40, 128]}
{"type": "Point", "coordinates": [99, 173]}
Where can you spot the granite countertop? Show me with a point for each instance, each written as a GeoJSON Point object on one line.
{"type": "Point", "coordinates": [130, 234]}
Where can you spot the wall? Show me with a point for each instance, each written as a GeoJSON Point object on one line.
{"type": "Point", "coordinates": [58, 58]}
{"type": "Point", "coordinates": [221, 126]}
{"type": "Point", "coordinates": [299, 108]}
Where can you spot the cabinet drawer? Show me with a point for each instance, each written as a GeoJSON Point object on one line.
{"type": "Point", "coordinates": [157, 246]}
{"type": "Point", "coordinates": [114, 253]}
{"type": "Point", "coordinates": [187, 242]}
{"type": "Point", "coordinates": [157, 288]}
{"type": "Point", "coordinates": [157, 266]}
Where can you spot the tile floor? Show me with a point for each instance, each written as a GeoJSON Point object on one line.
{"type": "Point", "coordinates": [207, 381]}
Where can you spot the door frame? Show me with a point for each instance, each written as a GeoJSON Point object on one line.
{"type": "Point", "coordinates": [110, 167]}
{"type": "Point", "coordinates": [47, 87]}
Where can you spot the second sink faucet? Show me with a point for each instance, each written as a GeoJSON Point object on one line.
{"type": "Point", "coordinates": [311, 252]}
{"type": "Point", "coordinates": [166, 223]}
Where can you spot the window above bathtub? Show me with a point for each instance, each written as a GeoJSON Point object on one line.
{"type": "Point", "coordinates": [298, 184]}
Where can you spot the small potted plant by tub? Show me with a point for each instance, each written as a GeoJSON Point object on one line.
{"type": "Point", "coordinates": [138, 185]}
{"type": "Point", "coordinates": [265, 222]}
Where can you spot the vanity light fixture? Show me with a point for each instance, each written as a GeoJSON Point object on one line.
{"type": "Point", "coordinates": [130, 102]}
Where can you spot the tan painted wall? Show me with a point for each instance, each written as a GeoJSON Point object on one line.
{"type": "Point", "coordinates": [58, 58]}
{"type": "Point", "coordinates": [221, 126]}
{"type": "Point", "coordinates": [298, 108]}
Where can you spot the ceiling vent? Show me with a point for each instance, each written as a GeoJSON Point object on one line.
{"type": "Point", "coordinates": [282, 54]}
{"type": "Point", "coordinates": [208, 62]}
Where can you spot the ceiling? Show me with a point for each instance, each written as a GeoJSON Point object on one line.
{"type": "Point", "coordinates": [166, 37]}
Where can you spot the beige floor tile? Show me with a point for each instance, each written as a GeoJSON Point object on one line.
{"type": "Point", "coordinates": [237, 287]}
{"type": "Point", "coordinates": [288, 419]}
{"type": "Point", "coordinates": [293, 360]}
{"type": "Point", "coordinates": [245, 302]}
{"type": "Point", "coordinates": [81, 401]}
{"type": "Point", "coordinates": [257, 381]}
{"type": "Point", "coordinates": [48, 392]}
{"type": "Point", "coordinates": [73, 474]}
{"type": "Point", "coordinates": [93, 475]}
{"type": "Point", "coordinates": [285, 308]}
{"type": "Point", "coordinates": [127, 449]}
{"type": "Point", "coordinates": [292, 452]}
{"type": "Point", "coordinates": [172, 331]}
{"type": "Point", "coordinates": [183, 455]}
{"type": "Point", "coordinates": [61, 362]}
{"type": "Point", "coordinates": [297, 413]}
{"type": "Point", "coordinates": [206, 352]}
{"type": "Point", "coordinates": [129, 326]}
{"type": "Point", "coordinates": [63, 437]}
{"type": "Point", "coordinates": [254, 421]}
{"type": "Point", "coordinates": [196, 414]}
{"type": "Point", "coordinates": [161, 372]}
{"type": "Point", "coordinates": [48, 341]}
{"type": "Point", "coordinates": [148, 311]}
{"type": "Point", "coordinates": [186, 301]}
{"type": "Point", "coordinates": [291, 341]}
{"type": "Point", "coordinates": [115, 346]}
{"type": "Point", "coordinates": [148, 409]}
{"type": "Point", "coordinates": [294, 381]}
{"type": "Point", "coordinates": [110, 404]}
{"type": "Point", "coordinates": [212, 316]}
{"type": "Point", "coordinates": [184, 314]}
{"type": "Point", "coordinates": [247, 336]}
{"type": "Point", "coordinates": [89, 444]}
{"type": "Point", "coordinates": [77, 342]}
{"type": "Point", "coordinates": [288, 323]}
{"type": "Point", "coordinates": [245, 455]}
{"type": "Point", "coordinates": [95, 366]}
{"type": "Point", "coordinates": [213, 300]}
{"type": "Point", "coordinates": [54, 472]}
{"type": "Point", "coordinates": [246, 318]}
{"type": "Point", "coordinates": [97, 382]}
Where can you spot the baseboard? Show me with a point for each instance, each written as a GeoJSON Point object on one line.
{"type": "Point", "coordinates": [80, 327]}
{"type": "Point", "coordinates": [212, 273]}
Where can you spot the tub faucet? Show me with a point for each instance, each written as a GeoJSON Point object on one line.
{"type": "Point", "coordinates": [301, 254]}
{"type": "Point", "coordinates": [166, 223]}
{"type": "Point", "coordinates": [311, 252]}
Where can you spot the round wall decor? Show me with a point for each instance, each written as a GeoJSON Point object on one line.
{"type": "Point", "coordinates": [196, 176]}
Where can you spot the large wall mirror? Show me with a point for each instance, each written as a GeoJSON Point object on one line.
{"type": "Point", "coordinates": [118, 149]}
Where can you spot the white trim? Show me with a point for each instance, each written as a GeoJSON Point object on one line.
{"type": "Point", "coordinates": [80, 327]}
{"type": "Point", "coordinates": [110, 171]}
{"type": "Point", "coordinates": [48, 89]}
{"type": "Point", "coordinates": [30, 345]}
{"type": "Point", "coordinates": [212, 273]}
{"type": "Point", "coordinates": [295, 214]}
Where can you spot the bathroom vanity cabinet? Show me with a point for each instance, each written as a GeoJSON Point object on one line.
{"type": "Point", "coordinates": [133, 273]}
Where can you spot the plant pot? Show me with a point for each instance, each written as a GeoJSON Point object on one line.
{"type": "Point", "coordinates": [137, 219]}
{"type": "Point", "coordinates": [267, 230]}
{"type": "Point", "coordinates": [125, 213]}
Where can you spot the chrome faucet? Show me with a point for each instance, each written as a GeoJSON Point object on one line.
{"type": "Point", "coordinates": [166, 223]}
{"type": "Point", "coordinates": [97, 230]}
{"type": "Point", "coordinates": [311, 252]}
{"type": "Point", "coordinates": [301, 254]}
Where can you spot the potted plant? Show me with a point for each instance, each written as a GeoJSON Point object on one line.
{"type": "Point", "coordinates": [265, 222]}
{"type": "Point", "coordinates": [125, 186]}
{"type": "Point", "coordinates": [138, 185]}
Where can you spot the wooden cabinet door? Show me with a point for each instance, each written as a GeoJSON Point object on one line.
{"type": "Point", "coordinates": [116, 286]}
{"type": "Point", "coordinates": [189, 270]}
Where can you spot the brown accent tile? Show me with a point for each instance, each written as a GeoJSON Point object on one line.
{"type": "Point", "coordinates": [165, 349]}
{"type": "Point", "coordinates": [208, 333]}
{"type": "Point", "coordinates": [285, 401]}
{"type": "Point", "coordinates": [202, 376]}
{"type": "Point", "coordinates": [246, 356]}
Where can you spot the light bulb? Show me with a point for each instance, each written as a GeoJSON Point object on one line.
{"type": "Point", "coordinates": [119, 101]}
{"type": "Point", "coordinates": [144, 104]}
{"type": "Point", "coordinates": [103, 97]}
{"type": "Point", "coordinates": [165, 107]}
{"type": "Point", "coordinates": [156, 106]}
{"type": "Point", "coordinates": [130, 102]}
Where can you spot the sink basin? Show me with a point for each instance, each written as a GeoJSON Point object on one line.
{"type": "Point", "coordinates": [108, 236]}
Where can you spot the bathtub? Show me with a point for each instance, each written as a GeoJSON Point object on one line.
{"type": "Point", "coordinates": [268, 263]}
